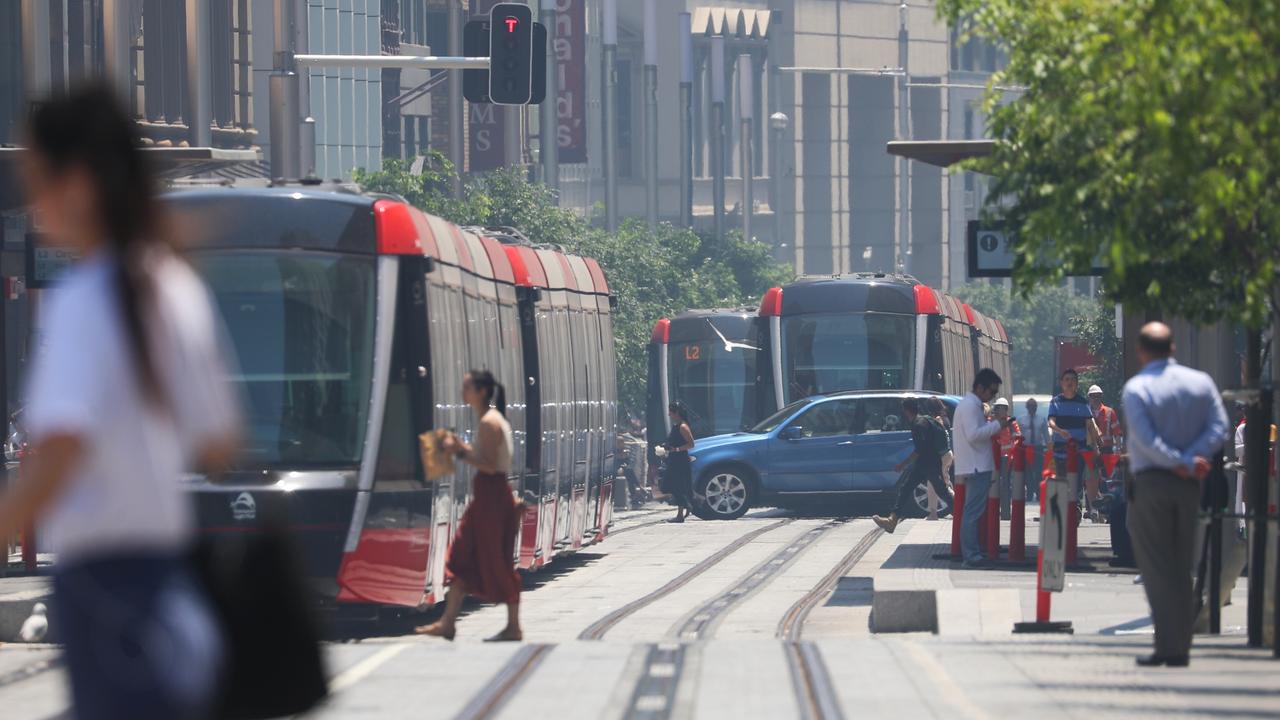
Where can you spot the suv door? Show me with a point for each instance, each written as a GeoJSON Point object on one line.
{"type": "Point", "coordinates": [883, 440]}
{"type": "Point", "coordinates": [815, 451]}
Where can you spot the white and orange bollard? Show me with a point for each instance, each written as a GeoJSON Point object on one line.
{"type": "Point", "coordinates": [1018, 502]}
{"type": "Point", "coordinates": [991, 520]}
{"type": "Point", "coordinates": [1050, 567]}
{"type": "Point", "coordinates": [1073, 507]}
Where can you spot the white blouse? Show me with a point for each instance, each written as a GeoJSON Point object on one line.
{"type": "Point", "coordinates": [125, 495]}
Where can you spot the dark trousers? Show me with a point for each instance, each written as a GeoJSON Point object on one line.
{"type": "Point", "coordinates": [141, 639]}
{"type": "Point", "coordinates": [912, 479]}
{"type": "Point", "coordinates": [1162, 526]}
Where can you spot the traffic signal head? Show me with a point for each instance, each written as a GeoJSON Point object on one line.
{"type": "Point", "coordinates": [510, 54]}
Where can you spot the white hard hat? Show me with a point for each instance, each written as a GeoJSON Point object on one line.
{"type": "Point", "coordinates": [1094, 390]}
{"type": "Point", "coordinates": [1000, 402]}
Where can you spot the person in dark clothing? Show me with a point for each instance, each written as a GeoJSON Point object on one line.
{"type": "Point", "coordinates": [925, 462]}
{"type": "Point", "coordinates": [678, 479]}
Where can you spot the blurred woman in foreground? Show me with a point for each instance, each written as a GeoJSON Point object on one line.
{"type": "Point", "coordinates": [126, 394]}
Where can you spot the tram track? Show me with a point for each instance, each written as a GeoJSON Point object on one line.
{"type": "Point", "coordinates": [597, 630]}
{"type": "Point", "coordinates": [700, 624]}
{"type": "Point", "coordinates": [815, 695]}
{"type": "Point", "coordinates": [791, 625]}
{"type": "Point", "coordinates": [504, 685]}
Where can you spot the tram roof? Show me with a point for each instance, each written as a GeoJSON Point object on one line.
{"type": "Point", "coordinates": [697, 325]}
{"type": "Point", "coordinates": [337, 218]}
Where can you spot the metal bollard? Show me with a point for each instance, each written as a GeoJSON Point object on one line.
{"type": "Point", "coordinates": [1018, 503]}
{"type": "Point", "coordinates": [1073, 521]}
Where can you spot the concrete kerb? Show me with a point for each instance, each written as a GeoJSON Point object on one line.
{"type": "Point", "coordinates": [904, 611]}
{"type": "Point", "coordinates": [17, 597]}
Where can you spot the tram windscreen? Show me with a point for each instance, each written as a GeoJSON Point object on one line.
{"type": "Point", "coordinates": [301, 325]}
{"type": "Point", "coordinates": [824, 353]}
{"type": "Point", "coordinates": [717, 385]}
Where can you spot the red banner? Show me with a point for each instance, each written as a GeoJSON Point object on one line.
{"type": "Point", "coordinates": [570, 50]}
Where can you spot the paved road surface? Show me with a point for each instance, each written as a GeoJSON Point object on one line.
{"type": "Point", "coordinates": [767, 617]}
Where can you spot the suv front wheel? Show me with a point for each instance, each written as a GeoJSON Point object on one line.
{"type": "Point", "coordinates": [723, 494]}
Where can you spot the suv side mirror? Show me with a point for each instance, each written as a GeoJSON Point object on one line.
{"type": "Point", "coordinates": [791, 432]}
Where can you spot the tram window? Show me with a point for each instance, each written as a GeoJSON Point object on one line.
{"type": "Point", "coordinates": [398, 459]}
{"type": "Point", "coordinates": [302, 328]}
{"type": "Point", "coordinates": [847, 351]}
{"type": "Point", "coordinates": [933, 356]}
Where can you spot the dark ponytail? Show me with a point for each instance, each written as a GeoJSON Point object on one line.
{"type": "Point", "coordinates": [89, 130]}
{"type": "Point", "coordinates": [495, 394]}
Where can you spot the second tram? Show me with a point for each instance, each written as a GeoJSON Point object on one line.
{"type": "Point", "coordinates": [708, 360]}
{"type": "Point", "coordinates": [873, 331]}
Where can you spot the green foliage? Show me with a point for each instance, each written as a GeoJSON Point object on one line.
{"type": "Point", "coordinates": [1032, 321]}
{"type": "Point", "coordinates": [653, 275]}
{"type": "Point", "coordinates": [1097, 331]}
{"type": "Point", "coordinates": [1148, 134]}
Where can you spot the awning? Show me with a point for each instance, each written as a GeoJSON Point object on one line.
{"type": "Point", "coordinates": [943, 153]}
{"type": "Point", "coordinates": [170, 163]}
{"type": "Point", "coordinates": [731, 22]}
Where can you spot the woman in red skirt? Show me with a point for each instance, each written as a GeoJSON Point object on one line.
{"type": "Point", "coordinates": [480, 559]}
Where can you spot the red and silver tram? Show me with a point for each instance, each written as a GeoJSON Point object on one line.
{"type": "Point", "coordinates": [353, 320]}
{"type": "Point", "coordinates": [873, 331]}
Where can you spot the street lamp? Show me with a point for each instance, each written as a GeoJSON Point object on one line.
{"type": "Point", "coordinates": [778, 123]}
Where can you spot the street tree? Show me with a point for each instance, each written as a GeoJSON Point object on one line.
{"type": "Point", "coordinates": [1033, 321]}
{"type": "Point", "coordinates": [1143, 132]}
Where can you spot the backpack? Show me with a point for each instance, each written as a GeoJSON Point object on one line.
{"type": "Point", "coordinates": [939, 443]}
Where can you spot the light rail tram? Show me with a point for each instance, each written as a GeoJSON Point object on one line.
{"type": "Point", "coordinates": [353, 319]}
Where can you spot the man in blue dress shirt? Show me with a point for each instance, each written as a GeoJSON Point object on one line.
{"type": "Point", "coordinates": [1176, 422]}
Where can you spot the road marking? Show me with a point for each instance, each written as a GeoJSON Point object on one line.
{"type": "Point", "coordinates": [364, 668]}
{"type": "Point", "coordinates": [947, 686]}
{"type": "Point", "coordinates": [663, 670]}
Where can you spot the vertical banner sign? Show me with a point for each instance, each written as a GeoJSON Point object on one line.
{"type": "Point", "coordinates": [571, 65]}
{"type": "Point", "coordinates": [486, 129]}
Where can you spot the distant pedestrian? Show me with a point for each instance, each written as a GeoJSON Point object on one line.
{"type": "Point", "coordinates": [1009, 434]}
{"type": "Point", "coordinates": [925, 463]}
{"type": "Point", "coordinates": [1110, 431]}
{"type": "Point", "coordinates": [1176, 422]}
{"type": "Point", "coordinates": [678, 480]}
{"type": "Point", "coordinates": [127, 394]}
{"type": "Point", "coordinates": [972, 434]}
{"type": "Point", "coordinates": [1071, 420]}
{"type": "Point", "coordinates": [1035, 433]}
{"type": "Point", "coordinates": [940, 413]}
{"type": "Point", "coordinates": [480, 559]}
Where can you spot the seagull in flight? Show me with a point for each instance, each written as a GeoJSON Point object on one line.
{"type": "Point", "coordinates": [730, 346]}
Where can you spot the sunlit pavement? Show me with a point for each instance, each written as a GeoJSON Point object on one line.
{"type": "Point", "coordinates": [749, 619]}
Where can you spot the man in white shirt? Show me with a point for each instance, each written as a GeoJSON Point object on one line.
{"type": "Point", "coordinates": [971, 436]}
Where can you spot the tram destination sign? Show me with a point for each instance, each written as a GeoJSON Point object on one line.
{"type": "Point", "coordinates": [989, 251]}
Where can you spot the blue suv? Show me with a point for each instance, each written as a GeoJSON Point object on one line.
{"type": "Point", "coordinates": [837, 446]}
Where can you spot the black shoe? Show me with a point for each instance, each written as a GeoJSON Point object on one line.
{"type": "Point", "coordinates": [1157, 661]}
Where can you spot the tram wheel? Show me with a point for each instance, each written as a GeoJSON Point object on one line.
{"type": "Point", "coordinates": [724, 493]}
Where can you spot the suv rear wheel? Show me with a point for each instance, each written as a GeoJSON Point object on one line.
{"type": "Point", "coordinates": [723, 493]}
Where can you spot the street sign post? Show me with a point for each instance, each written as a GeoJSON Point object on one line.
{"type": "Point", "coordinates": [1053, 536]}
{"type": "Point", "coordinates": [1051, 570]}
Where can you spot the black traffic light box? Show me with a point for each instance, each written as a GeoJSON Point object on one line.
{"type": "Point", "coordinates": [475, 43]}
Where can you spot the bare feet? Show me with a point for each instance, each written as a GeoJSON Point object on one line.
{"type": "Point", "coordinates": [507, 635]}
{"type": "Point", "coordinates": [436, 629]}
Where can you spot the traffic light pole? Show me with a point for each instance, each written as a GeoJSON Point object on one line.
{"type": "Point", "coordinates": [376, 62]}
